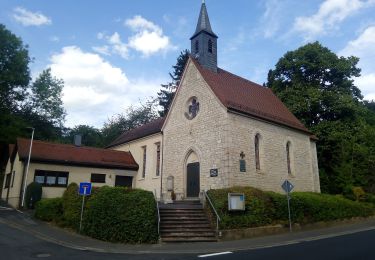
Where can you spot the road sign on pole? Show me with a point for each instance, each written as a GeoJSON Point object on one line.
{"type": "Point", "coordinates": [84, 189]}
{"type": "Point", "coordinates": [288, 187]}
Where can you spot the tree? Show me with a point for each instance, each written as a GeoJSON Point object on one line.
{"type": "Point", "coordinates": [133, 117]}
{"type": "Point", "coordinates": [317, 86]}
{"type": "Point", "coordinates": [46, 98]}
{"type": "Point", "coordinates": [14, 71]}
{"type": "Point", "coordinates": [166, 94]}
{"type": "Point", "coordinates": [91, 136]}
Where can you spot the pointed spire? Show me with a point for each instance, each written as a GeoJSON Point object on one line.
{"type": "Point", "coordinates": [203, 22]}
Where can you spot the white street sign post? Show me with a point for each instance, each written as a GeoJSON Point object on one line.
{"type": "Point", "coordinates": [84, 189]}
{"type": "Point", "coordinates": [288, 187]}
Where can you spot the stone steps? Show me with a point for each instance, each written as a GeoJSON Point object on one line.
{"type": "Point", "coordinates": [185, 221]}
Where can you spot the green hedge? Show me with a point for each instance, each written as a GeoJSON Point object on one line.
{"type": "Point", "coordinates": [259, 208]}
{"type": "Point", "coordinates": [264, 208]}
{"type": "Point", "coordinates": [308, 207]}
{"type": "Point", "coordinates": [121, 215]}
{"type": "Point", "coordinates": [111, 213]}
{"type": "Point", "coordinates": [49, 209]}
{"type": "Point", "coordinates": [72, 203]}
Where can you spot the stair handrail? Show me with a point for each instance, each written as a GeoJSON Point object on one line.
{"type": "Point", "coordinates": [218, 219]}
{"type": "Point", "coordinates": [157, 208]}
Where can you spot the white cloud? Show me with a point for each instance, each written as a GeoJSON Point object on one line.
{"type": "Point", "coordinates": [364, 48]}
{"type": "Point", "coordinates": [271, 17]}
{"type": "Point", "coordinates": [28, 18]}
{"type": "Point", "coordinates": [94, 90]}
{"type": "Point", "coordinates": [118, 47]}
{"type": "Point", "coordinates": [330, 14]}
{"type": "Point", "coordinates": [104, 50]}
{"type": "Point", "coordinates": [54, 39]}
{"type": "Point", "coordinates": [148, 38]}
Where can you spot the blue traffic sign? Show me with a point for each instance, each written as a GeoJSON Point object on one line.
{"type": "Point", "coordinates": [85, 188]}
{"type": "Point", "coordinates": [287, 186]}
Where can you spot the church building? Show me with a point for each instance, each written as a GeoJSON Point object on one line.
{"type": "Point", "coordinates": [221, 131]}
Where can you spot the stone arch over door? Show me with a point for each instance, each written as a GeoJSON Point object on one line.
{"type": "Point", "coordinates": [192, 174]}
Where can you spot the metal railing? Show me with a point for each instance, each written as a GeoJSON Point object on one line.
{"type": "Point", "coordinates": [157, 208]}
{"type": "Point", "coordinates": [218, 219]}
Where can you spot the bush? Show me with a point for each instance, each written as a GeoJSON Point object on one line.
{"type": "Point", "coordinates": [49, 209]}
{"type": "Point", "coordinates": [370, 198]}
{"type": "Point", "coordinates": [33, 194]}
{"type": "Point", "coordinates": [119, 214]}
{"type": "Point", "coordinates": [72, 204]}
{"type": "Point", "coordinates": [259, 209]}
{"type": "Point", "coordinates": [264, 208]}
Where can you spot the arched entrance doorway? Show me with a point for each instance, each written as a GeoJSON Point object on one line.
{"type": "Point", "coordinates": [192, 176]}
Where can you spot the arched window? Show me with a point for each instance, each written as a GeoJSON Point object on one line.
{"type": "Point", "coordinates": [209, 46]}
{"type": "Point", "coordinates": [288, 157]}
{"type": "Point", "coordinates": [196, 46]}
{"type": "Point", "coordinates": [257, 159]}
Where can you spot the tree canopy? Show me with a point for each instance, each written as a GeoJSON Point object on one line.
{"type": "Point", "coordinates": [14, 70]}
{"type": "Point", "coordinates": [133, 117]}
{"type": "Point", "coordinates": [166, 94]}
{"type": "Point", "coordinates": [318, 87]}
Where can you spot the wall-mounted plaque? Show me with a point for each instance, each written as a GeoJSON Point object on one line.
{"type": "Point", "coordinates": [242, 165]}
{"type": "Point", "coordinates": [214, 172]}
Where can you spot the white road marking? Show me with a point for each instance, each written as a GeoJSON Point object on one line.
{"type": "Point", "coordinates": [215, 254]}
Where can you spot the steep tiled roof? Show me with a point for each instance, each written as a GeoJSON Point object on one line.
{"type": "Point", "coordinates": [203, 22]}
{"type": "Point", "coordinates": [244, 96]}
{"type": "Point", "coordinates": [75, 155]}
{"type": "Point", "coordinates": [139, 132]}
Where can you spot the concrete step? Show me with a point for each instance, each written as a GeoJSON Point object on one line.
{"type": "Point", "coordinates": [189, 234]}
{"type": "Point", "coordinates": [185, 225]}
{"type": "Point", "coordinates": [184, 222]}
{"type": "Point", "coordinates": [191, 218]}
{"type": "Point", "coordinates": [189, 239]}
{"type": "Point", "coordinates": [183, 230]}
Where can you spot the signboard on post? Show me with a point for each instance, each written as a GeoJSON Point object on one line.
{"type": "Point", "coordinates": [84, 189]}
{"type": "Point", "coordinates": [236, 201]}
{"type": "Point", "coordinates": [288, 187]}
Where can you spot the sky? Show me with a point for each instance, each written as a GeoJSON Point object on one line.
{"type": "Point", "coordinates": [113, 54]}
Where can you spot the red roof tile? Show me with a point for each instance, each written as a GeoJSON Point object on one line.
{"type": "Point", "coordinates": [75, 155]}
{"type": "Point", "coordinates": [241, 95]}
{"type": "Point", "coordinates": [139, 132]}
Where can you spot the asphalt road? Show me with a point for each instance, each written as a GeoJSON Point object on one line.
{"type": "Point", "coordinates": [16, 244]}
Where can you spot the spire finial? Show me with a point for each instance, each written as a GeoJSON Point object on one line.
{"type": "Point", "coordinates": [203, 1]}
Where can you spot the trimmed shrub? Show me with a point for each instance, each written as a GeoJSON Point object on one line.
{"type": "Point", "coordinates": [119, 214]}
{"type": "Point", "coordinates": [259, 209]}
{"type": "Point", "coordinates": [264, 208]}
{"type": "Point", "coordinates": [370, 198]}
{"type": "Point", "coordinates": [72, 204]}
{"type": "Point", "coordinates": [49, 209]}
{"type": "Point", "coordinates": [33, 194]}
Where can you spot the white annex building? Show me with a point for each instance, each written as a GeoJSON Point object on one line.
{"type": "Point", "coordinates": [221, 131]}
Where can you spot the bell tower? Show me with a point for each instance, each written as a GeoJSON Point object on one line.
{"type": "Point", "coordinates": [204, 41]}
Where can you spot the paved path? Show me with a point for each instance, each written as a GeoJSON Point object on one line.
{"type": "Point", "coordinates": [44, 231]}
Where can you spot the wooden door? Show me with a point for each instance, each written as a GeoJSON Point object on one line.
{"type": "Point", "coordinates": [192, 180]}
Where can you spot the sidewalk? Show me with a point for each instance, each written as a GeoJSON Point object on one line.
{"type": "Point", "coordinates": [45, 231]}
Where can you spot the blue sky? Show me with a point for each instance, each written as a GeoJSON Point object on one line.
{"type": "Point", "coordinates": [112, 54]}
